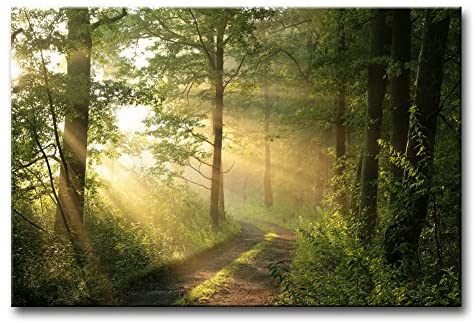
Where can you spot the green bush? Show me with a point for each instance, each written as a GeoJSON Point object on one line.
{"type": "Point", "coordinates": [332, 268]}
{"type": "Point", "coordinates": [122, 247]}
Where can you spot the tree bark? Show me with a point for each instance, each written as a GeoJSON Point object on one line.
{"type": "Point", "coordinates": [72, 175]}
{"type": "Point", "coordinates": [217, 127]}
{"type": "Point", "coordinates": [400, 85]}
{"type": "Point", "coordinates": [340, 106]}
{"type": "Point", "coordinates": [376, 91]}
{"type": "Point", "coordinates": [402, 236]}
{"type": "Point", "coordinates": [268, 199]}
{"type": "Point", "coordinates": [340, 102]}
{"type": "Point", "coordinates": [221, 194]}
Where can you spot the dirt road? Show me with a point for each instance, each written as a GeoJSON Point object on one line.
{"type": "Point", "coordinates": [241, 283]}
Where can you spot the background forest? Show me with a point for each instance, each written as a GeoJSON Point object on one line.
{"type": "Point", "coordinates": [142, 138]}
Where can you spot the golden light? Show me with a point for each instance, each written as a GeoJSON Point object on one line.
{"type": "Point", "coordinates": [15, 69]}
{"type": "Point", "coordinates": [129, 119]}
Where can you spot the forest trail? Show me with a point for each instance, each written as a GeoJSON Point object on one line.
{"type": "Point", "coordinates": [232, 274]}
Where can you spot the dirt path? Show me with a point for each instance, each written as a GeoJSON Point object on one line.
{"type": "Point", "coordinates": [249, 285]}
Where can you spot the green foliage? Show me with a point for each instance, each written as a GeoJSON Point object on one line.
{"type": "Point", "coordinates": [123, 248]}
{"type": "Point", "coordinates": [45, 271]}
{"type": "Point", "coordinates": [332, 268]}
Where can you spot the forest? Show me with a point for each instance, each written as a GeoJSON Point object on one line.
{"type": "Point", "coordinates": [236, 156]}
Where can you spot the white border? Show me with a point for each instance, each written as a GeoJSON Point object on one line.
{"type": "Point", "coordinates": [229, 314]}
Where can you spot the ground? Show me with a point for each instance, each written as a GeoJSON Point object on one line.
{"type": "Point", "coordinates": [240, 283]}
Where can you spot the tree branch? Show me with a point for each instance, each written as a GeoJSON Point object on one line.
{"type": "Point", "coordinates": [192, 182]}
{"type": "Point", "coordinates": [195, 22]}
{"type": "Point", "coordinates": [201, 137]}
{"type": "Point", "coordinates": [109, 20]}
{"type": "Point", "coordinates": [168, 39]}
{"type": "Point", "coordinates": [29, 221]}
{"type": "Point", "coordinates": [42, 184]}
{"type": "Point", "coordinates": [229, 169]}
{"type": "Point", "coordinates": [441, 106]}
{"type": "Point", "coordinates": [202, 162]}
{"type": "Point", "coordinates": [181, 39]}
{"type": "Point", "coordinates": [51, 107]}
{"type": "Point", "coordinates": [51, 180]}
{"type": "Point", "coordinates": [447, 123]}
{"type": "Point", "coordinates": [296, 63]}
{"type": "Point", "coordinates": [34, 161]}
{"type": "Point", "coordinates": [198, 170]}
{"type": "Point", "coordinates": [236, 72]}
{"type": "Point", "coordinates": [284, 27]}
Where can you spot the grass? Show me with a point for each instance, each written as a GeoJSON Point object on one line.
{"type": "Point", "coordinates": [208, 288]}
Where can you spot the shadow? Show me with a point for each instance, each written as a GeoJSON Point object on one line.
{"type": "Point", "coordinates": [167, 284]}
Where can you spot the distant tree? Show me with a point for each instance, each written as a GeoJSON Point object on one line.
{"type": "Point", "coordinates": [268, 199]}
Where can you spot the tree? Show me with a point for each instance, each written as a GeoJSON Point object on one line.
{"type": "Point", "coordinates": [402, 236]}
{"type": "Point", "coordinates": [268, 199]}
{"type": "Point", "coordinates": [69, 213]}
{"type": "Point", "coordinates": [376, 91]}
{"type": "Point", "coordinates": [72, 177]}
{"type": "Point", "coordinates": [400, 84]}
{"type": "Point", "coordinates": [340, 100]}
{"type": "Point", "coordinates": [203, 39]}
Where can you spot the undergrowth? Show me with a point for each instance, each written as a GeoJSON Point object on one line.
{"type": "Point", "coordinates": [124, 246]}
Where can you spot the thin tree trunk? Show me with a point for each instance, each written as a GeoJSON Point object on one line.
{"type": "Point", "coordinates": [376, 90]}
{"type": "Point", "coordinates": [340, 102]}
{"type": "Point", "coordinates": [268, 199]}
{"type": "Point", "coordinates": [400, 85]}
{"type": "Point", "coordinates": [402, 236]}
{"type": "Point", "coordinates": [340, 131]}
{"type": "Point", "coordinates": [221, 194]}
{"type": "Point", "coordinates": [218, 127]}
{"type": "Point", "coordinates": [355, 200]}
{"type": "Point", "coordinates": [72, 175]}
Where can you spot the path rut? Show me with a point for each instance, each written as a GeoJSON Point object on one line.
{"type": "Point", "coordinates": [250, 285]}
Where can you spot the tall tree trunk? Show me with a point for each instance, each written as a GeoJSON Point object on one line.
{"type": "Point", "coordinates": [402, 236]}
{"type": "Point", "coordinates": [218, 127]}
{"type": "Point", "coordinates": [73, 173]}
{"type": "Point", "coordinates": [221, 207]}
{"type": "Point", "coordinates": [268, 199]}
{"type": "Point", "coordinates": [400, 85]}
{"type": "Point", "coordinates": [221, 194]}
{"type": "Point", "coordinates": [340, 105]}
{"type": "Point", "coordinates": [376, 90]}
{"type": "Point", "coordinates": [340, 102]}
{"type": "Point", "coordinates": [355, 198]}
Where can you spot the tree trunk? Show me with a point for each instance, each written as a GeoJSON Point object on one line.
{"type": "Point", "coordinates": [402, 236]}
{"type": "Point", "coordinates": [340, 102]}
{"type": "Point", "coordinates": [400, 85]}
{"type": "Point", "coordinates": [355, 198]}
{"type": "Point", "coordinates": [268, 199]}
{"type": "Point", "coordinates": [72, 175]}
{"type": "Point", "coordinates": [340, 105]}
{"type": "Point", "coordinates": [221, 194]}
{"type": "Point", "coordinates": [217, 127]}
{"type": "Point", "coordinates": [376, 90]}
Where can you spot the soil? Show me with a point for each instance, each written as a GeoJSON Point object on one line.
{"type": "Point", "coordinates": [251, 285]}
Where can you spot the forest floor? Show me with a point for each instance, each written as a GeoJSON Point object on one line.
{"type": "Point", "coordinates": [234, 273]}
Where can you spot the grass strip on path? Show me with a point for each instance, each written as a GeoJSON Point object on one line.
{"type": "Point", "coordinates": [208, 288]}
